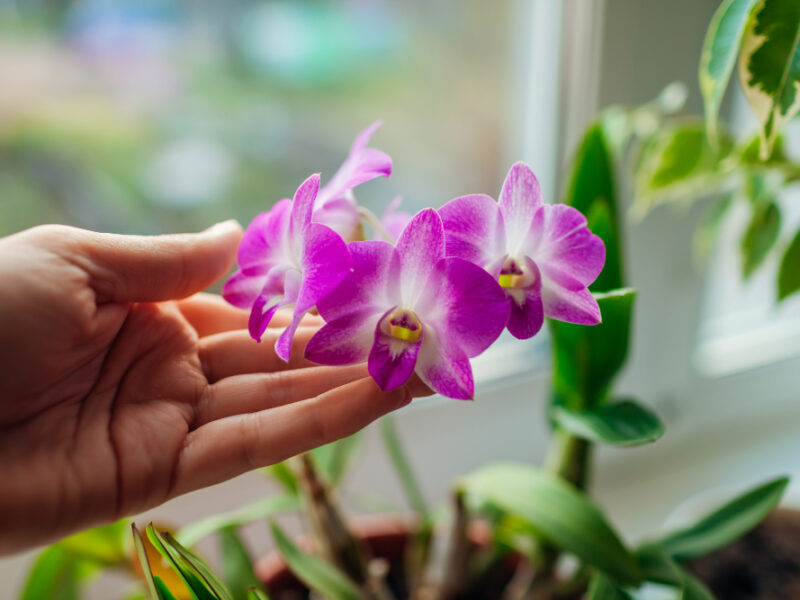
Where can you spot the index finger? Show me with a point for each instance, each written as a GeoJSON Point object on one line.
{"type": "Point", "coordinates": [228, 447]}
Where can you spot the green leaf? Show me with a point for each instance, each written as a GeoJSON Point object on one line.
{"type": "Point", "coordinates": [237, 566]}
{"type": "Point", "coordinates": [592, 191]}
{"type": "Point", "coordinates": [256, 594]}
{"type": "Point", "coordinates": [769, 66]}
{"type": "Point", "coordinates": [659, 567]}
{"type": "Point", "coordinates": [318, 575]}
{"type": "Point", "coordinates": [162, 590]}
{"type": "Point", "coordinates": [586, 359]}
{"type": "Point", "coordinates": [678, 162]}
{"type": "Point", "coordinates": [104, 545]}
{"type": "Point", "coordinates": [282, 473]}
{"type": "Point", "coordinates": [144, 562]}
{"type": "Point", "coordinates": [402, 466]}
{"type": "Point", "coordinates": [201, 586]}
{"type": "Point", "coordinates": [693, 589]}
{"type": "Point", "coordinates": [720, 48]}
{"type": "Point", "coordinates": [726, 524]}
{"type": "Point", "coordinates": [261, 509]}
{"type": "Point", "coordinates": [789, 272]}
{"type": "Point", "coordinates": [760, 236]}
{"type": "Point", "coordinates": [623, 423]}
{"type": "Point", "coordinates": [53, 576]}
{"type": "Point", "coordinates": [561, 513]}
{"type": "Point", "coordinates": [601, 588]}
{"type": "Point", "coordinates": [333, 459]}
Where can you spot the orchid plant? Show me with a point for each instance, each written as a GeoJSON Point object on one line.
{"type": "Point", "coordinates": [422, 305]}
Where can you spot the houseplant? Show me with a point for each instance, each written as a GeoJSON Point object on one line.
{"type": "Point", "coordinates": [536, 514]}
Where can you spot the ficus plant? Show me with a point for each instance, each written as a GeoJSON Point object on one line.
{"type": "Point", "coordinates": [683, 159]}
{"type": "Point", "coordinates": [433, 290]}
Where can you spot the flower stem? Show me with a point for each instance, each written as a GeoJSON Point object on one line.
{"type": "Point", "coordinates": [403, 467]}
{"type": "Point", "coordinates": [371, 219]}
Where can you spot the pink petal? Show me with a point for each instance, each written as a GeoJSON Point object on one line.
{"type": "Point", "coordinates": [362, 164]}
{"type": "Point", "coordinates": [303, 204]}
{"type": "Point", "coordinates": [420, 247]}
{"type": "Point", "coordinates": [263, 238]}
{"type": "Point", "coordinates": [325, 261]}
{"type": "Point", "coordinates": [283, 345]}
{"type": "Point", "coordinates": [519, 199]}
{"type": "Point", "coordinates": [444, 367]}
{"type": "Point", "coordinates": [341, 215]}
{"type": "Point", "coordinates": [242, 290]}
{"type": "Point", "coordinates": [570, 306]}
{"type": "Point", "coordinates": [369, 285]}
{"type": "Point", "coordinates": [526, 317]}
{"type": "Point", "coordinates": [465, 304]}
{"type": "Point", "coordinates": [391, 361]}
{"type": "Point", "coordinates": [280, 288]}
{"type": "Point", "coordinates": [474, 229]}
{"type": "Point", "coordinates": [345, 341]}
{"type": "Point", "coordinates": [393, 220]}
{"type": "Point", "coordinates": [564, 248]}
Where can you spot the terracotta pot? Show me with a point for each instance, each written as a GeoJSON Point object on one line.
{"type": "Point", "coordinates": [387, 537]}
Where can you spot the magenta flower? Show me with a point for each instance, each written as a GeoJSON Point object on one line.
{"type": "Point", "coordinates": [408, 309]}
{"type": "Point", "coordinates": [394, 220]}
{"type": "Point", "coordinates": [543, 255]}
{"type": "Point", "coordinates": [285, 259]}
{"type": "Point", "coordinates": [336, 207]}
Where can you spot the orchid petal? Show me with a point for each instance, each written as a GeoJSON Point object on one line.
{"type": "Point", "coordinates": [303, 204]}
{"type": "Point", "coordinates": [570, 306]}
{"type": "Point", "coordinates": [391, 361]}
{"type": "Point", "coordinates": [563, 247]}
{"type": "Point", "coordinates": [341, 215]}
{"type": "Point", "coordinates": [526, 312]}
{"type": "Point", "coordinates": [474, 229]}
{"type": "Point", "coordinates": [362, 164]}
{"type": "Point", "coordinates": [393, 220]}
{"type": "Point", "coordinates": [371, 284]}
{"type": "Point", "coordinates": [419, 247]}
{"type": "Point", "coordinates": [262, 240]}
{"type": "Point", "coordinates": [241, 289]}
{"type": "Point", "coordinates": [444, 367]}
{"type": "Point", "coordinates": [345, 341]}
{"type": "Point", "coordinates": [519, 199]}
{"type": "Point", "coordinates": [278, 290]}
{"type": "Point", "coordinates": [466, 302]}
{"type": "Point", "coordinates": [326, 261]}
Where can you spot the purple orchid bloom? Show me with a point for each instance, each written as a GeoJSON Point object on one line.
{"type": "Point", "coordinates": [394, 220]}
{"type": "Point", "coordinates": [285, 259]}
{"type": "Point", "coordinates": [543, 255]}
{"type": "Point", "coordinates": [408, 309]}
{"type": "Point", "coordinates": [336, 207]}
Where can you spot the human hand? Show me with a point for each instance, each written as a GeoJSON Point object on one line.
{"type": "Point", "coordinates": [115, 396]}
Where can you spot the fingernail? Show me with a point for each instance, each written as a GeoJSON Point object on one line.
{"type": "Point", "coordinates": [224, 227]}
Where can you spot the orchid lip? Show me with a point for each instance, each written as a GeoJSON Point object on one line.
{"type": "Point", "coordinates": [403, 324]}
{"type": "Point", "coordinates": [514, 274]}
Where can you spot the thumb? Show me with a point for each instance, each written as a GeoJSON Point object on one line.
{"type": "Point", "coordinates": [131, 268]}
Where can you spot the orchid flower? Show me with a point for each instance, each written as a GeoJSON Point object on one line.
{"type": "Point", "coordinates": [285, 259]}
{"type": "Point", "coordinates": [394, 220]}
{"type": "Point", "coordinates": [336, 207]}
{"type": "Point", "coordinates": [543, 255]}
{"type": "Point", "coordinates": [407, 309]}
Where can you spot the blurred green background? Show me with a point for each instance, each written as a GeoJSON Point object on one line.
{"type": "Point", "coordinates": [155, 116]}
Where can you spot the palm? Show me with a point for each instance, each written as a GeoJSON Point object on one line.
{"type": "Point", "coordinates": [110, 407]}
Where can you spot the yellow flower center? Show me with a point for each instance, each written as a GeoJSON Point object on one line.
{"type": "Point", "coordinates": [514, 275]}
{"type": "Point", "coordinates": [403, 324]}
